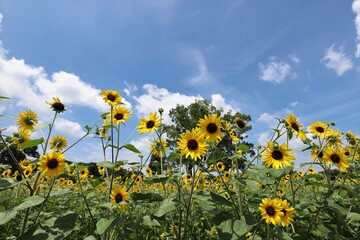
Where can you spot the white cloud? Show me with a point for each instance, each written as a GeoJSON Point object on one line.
{"type": "Point", "coordinates": [155, 98]}
{"type": "Point", "coordinates": [203, 75]}
{"type": "Point", "coordinates": [294, 58]}
{"type": "Point", "coordinates": [356, 9]}
{"type": "Point", "coordinates": [68, 127]}
{"type": "Point", "coordinates": [268, 119]}
{"type": "Point", "coordinates": [293, 104]}
{"type": "Point", "coordinates": [275, 72]}
{"type": "Point", "coordinates": [130, 89]}
{"type": "Point", "coordinates": [219, 102]}
{"type": "Point", "coordinates": [337, 60]}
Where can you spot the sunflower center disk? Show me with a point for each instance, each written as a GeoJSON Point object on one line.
{"type": "Point", "coordinates": [119, 116]}
{"type": "Point", "coordinates": [58, 106]}
{"type": "Point", "coordinates": [277, 155]}
{"type": "Point", "coordinates": [320, 129]}
{"type": "Point", "coordinates": [335, 158]}
{"type": "Point", "coordinates": [52, 163]}
{"type": "Point", "coordinates": [118, 198]}
{"type": "Point", "coordinates": [211, 128]}
{"type": "Point", "coordinates": [240, 123]}
{"type": "Point", "coordinates": [270, 211]}
{"type": "Point", "coordinates": [295, 126]}
{"type": "Point", "coordinates": [150, 124]}
{"type": "Point", "coordinates": [192, 144]}
{"type": "Point", "coordinates": [111, 97]}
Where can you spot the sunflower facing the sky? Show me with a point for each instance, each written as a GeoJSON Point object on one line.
{"type": "Point", "coordinates": [121, 114]}
{"type": "Point", "coordinates": [58, 143]}
{"type": "Point", "coordinates": [119, 195]}
{"type": "Point", "coordinates": [21, 137]}
{"type": "Point", "coordinates": [111, 97]}
{"type": "Point", "coordinates": [27, 120]}
{"type": "Point", "coordinates": [276, 156]}
{"type": "Point", "coordinates": [319, 129]}
{"type": "Point", "coordinates": [52, 164]}
{"type": "Point", "coordinates": [158, 147]}
{"type": "Point", "coordinates": [271, 211]}
{"type": "Point", "coordinates": [336, 156]}
{"type": "Point", "coordinates": [57, 105]}
{"type": "Point", "coordinates": [293, 125]}
{"type": "Point", "coordinates": [288, 211]}
{"type": "Point", "coordinates": [148, 125]}
{"type": "Point", "coordinates": [192, 144]}
{"type": "Point", "coordinates": [210, 127]}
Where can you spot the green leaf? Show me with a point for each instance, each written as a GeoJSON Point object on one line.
{"type": "Point", "coordinates": [238, 228]}
{"type": "Point", "coordinates": [148, 221]}
{"type": "Point", "coordinates": [60, 192]}
{"type": "Point", "coordinates": [91, 237]}
{"type": "Point", "coordinates": [103, 224]}
{"type": "Point", "coordinates": [132, 148]}
{"type": "Point", "coordinates": [166, 206]}
{"type": "Point", "coordinates": [9, 182]}
{"type": "Point", "coordinates": [219, 199]}
{"type": "Point", "coordinates": [66, 222]}
{"type": "Point", "coordinates": [32, 143]}
{"type": "Point", "coordinates": [7, 216]}
{"type": "Point", "coordinates": [290, 134]}
{"type": "Point", "coordinates": [249, 183]}
{"type": "Point", "coordinates": [243, 147]}
{"type": "Point", "coordinates": [2, 97]}
{"type": "Point", "coordinates": [152, 197]}
{"type": "Point", "coordinates": [41, 126]}
{"type": "Point", "coordinates": [353, 216]}
{"type": "Point", "coordinates": [29, 202]}
{"type": "Point", "coordinates": [156, 179]}
{"type": "Point", "coordinates": [104, 115]}
{"type": "Point", "coordinates": [106, 164]}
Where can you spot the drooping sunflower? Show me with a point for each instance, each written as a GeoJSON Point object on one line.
{"type": "Point", "coordinates": [21, 137]}
{"type": "Point", "coordinates": [220, 166]}
{"type": "Point", "coordinates": [288, 211]}
{"type": "Point", "coordinates": [293, 125]}
{"type": "Point", "coordinates": [119, 195]}
{"type": "Point", "coordinates": [52, 164]}
{"type": "Point", "coordinates": [27, 120]}
{"type": "Point", "coordinates": [319, 129]}
{"type": "Point", "coordinates": [276, 156]}
{"type": "Point", "coordinates": [149, 125]}
{"type": "Point", "coordinates": [271, 211]}
{"type": "Point", "coordinates": [158, 147]}
{"type": "Point", "coordinates": [57, 105]}
{"type": "Point", "coordinates": [111, 97]}
{"type": "Point", "coordinates": [121, 114]}
{"type": "Point", "coordinates": [336, 156]}
{"type": "Point", "coordinates": [240, 123]}
{"type": "Point", "coordinates": [210, 127]}
{"type": "Point", "coordinates": [192, 144]}
{"type": "Point", "coordinates": [58, 143]}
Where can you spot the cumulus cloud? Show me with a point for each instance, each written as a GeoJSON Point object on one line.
{"type": "Point", "coordinates": [294, 58]}
{"type": "Point", "coordinates": [219, 102]}
{"type": "Point", "coordinates": [337, 60]}
{"type": "Point", "coordinates": [203, 75]}
{"type": "Point", "coordinates": [130, 89]}
{"type": "Point", "coordinates": [274, 71]}
{"type": "Point", "coordinates": [68, 127]}
{"type": "Point", "coordinates": [356, 9]}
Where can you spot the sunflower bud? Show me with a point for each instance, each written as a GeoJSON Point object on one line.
{"type": "Point", "coordinates": [275, 146]}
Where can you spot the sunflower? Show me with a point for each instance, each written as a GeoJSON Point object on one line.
{"type": "Point", "coordinates": [57, 105]}
{"type": "Point", "coordinates": [21, 137]}
{"type": "Point", "coordinates": [148, 171]}
{"type": "Point", "coordinates": [58, 143]}
{"type": "Point", "coordinates": [271, 211]}
{"type": "Point", "coordinates": [220, 166]}
{"type": "Point", "coordinates": [28, 171]}
{"type": "Point", "coordinates": [240, 123]}
{"type": "Point", "coordinates": [119, 195]}
{"type": "Point", "coordinates": [276, 156]}
{"type": "Point", "coordinates": [333, 138]}
{"type": "Point", "coordinates": [121, 114]}
{"type": "Point", "coordinates": [311, 170]}
{"type": "Point", "coordinates": [231, 132]}
{"type": "Point", "coordinates": [101, 170]}
{"type": "Point", "coordinates": [336, 156]}
{"type": "Point", "coordinates": [6, 173]}
{"type": "Point", "coordinates": [226, 176]}
{"type": "Point", "coordinates": [52, 164]}
{"type": "Point", "coordinates": [288, 211]}
{"type": "Point", "coordinates": [210, 127]}
{"type": "Point", "coordinates": [300, 174]}
{"type": "Point", "coordinates": [27, 120]}
{"type": "Point", "coordinates": [192, 144]}
{"type": "Point", "coordinates": [319, 129]}
{"type": "Point", "coordinates": [158, 147]}
{"type": "Point", "coordinates": [105, 127]}
{"type": "Point", "coordinates": [148, 125]}
{"type": "Point", "coordinates": [293, 125]}
{"type": "Point", "coordinates": [111, 97]}
{"type": "Point", "coordinates": [84, 173]}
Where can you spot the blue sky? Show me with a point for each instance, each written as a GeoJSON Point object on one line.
{"type": "Point", "coordinates": [263, 58]}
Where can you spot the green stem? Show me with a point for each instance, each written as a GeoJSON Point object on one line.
{"type": "Point", "coordinates": [50, 130]}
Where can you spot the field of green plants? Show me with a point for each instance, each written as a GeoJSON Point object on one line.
{"type": "Point", "coordinates": [198, 182]}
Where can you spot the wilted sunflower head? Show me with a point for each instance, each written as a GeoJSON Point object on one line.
{"type": "Point", "coordinates": [111, 97]}
{"type": "Point", "coordinates": [57, 105]}
{"type": "Point", "coordinates": [149, 125]}
{"type": "Point", "coordinates": [27, 120]}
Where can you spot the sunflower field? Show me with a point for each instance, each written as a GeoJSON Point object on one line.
{"type": "Point", "coordinates": [198, 189]}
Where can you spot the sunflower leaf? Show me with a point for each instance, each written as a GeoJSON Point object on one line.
{"type": "Point", "coordinates": [156, 179]}
{"type": "Point", "coordinates": [132, 148]}
{"type": "Point", "coordinates": [166, 206]}
{"type": "Point", "coordinates": [32, 143]}
{"type": "Point", "coordinates": [243, 147]}
{"type": "Point", "coordinates": [30, 202]}
{"type": "Point", "coordinates": [7, 216]}
{"type": "Point", "coordinates": [103, 224]}
{"type": "Point", "coordinates": [106, 164]}
{"type": "Point", "coordinates": [2, 97]}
